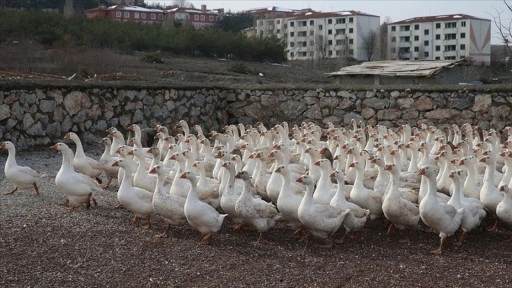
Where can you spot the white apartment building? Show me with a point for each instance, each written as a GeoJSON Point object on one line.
{"type": "Point", "coordinates": [315, 35]}
{"type": "Point", "coordinates": [443, 37]}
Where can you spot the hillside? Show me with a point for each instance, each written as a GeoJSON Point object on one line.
{"type": "Point", "coordinates": [27, 57]}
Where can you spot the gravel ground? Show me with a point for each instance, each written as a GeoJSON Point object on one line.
{"type": "Point", "coordinates": [42, 245]}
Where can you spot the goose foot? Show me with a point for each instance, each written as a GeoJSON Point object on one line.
{"type": "Point", "coordinates": [342, 239]}
{"type": "Point", "coordinates": [298, 232]}
{"type": "Point", "coordinates": [206, 239]}
{"type": "Point", "coordinates": [258, 242]}
{"type": "Point", "coordinates": [391, 229]}
{"type": "Point", "coordinates": [238, 227]}
{"type": "Point", "coordinates": [329, 242]}
{"type": "Point", "coordinates": [119, 206]}
{"type": "Point", "coordinates": [406, 240]}
{"type": "Point", "coordinates": [461, 239]}
{"type": "Point", "coordinates": [12, 192]}
{"type": "Point", "coordinates": [164, 234]}
{"type": "Point", "coordinates": [304, 238]}
{"type": "Point", "coordinates": [494, 228]}
{"type": "Point", "coordinates": [440, 249]}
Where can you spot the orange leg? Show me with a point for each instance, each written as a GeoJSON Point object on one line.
{"type": "Point", "coordinates": [37, 189]}
{"type": "Point", "coordinates": [206, 239]}
{"type": "Point", "coordinates": [461, 239]}
{"type": "Point", "coordinates": [391, 229]}
{"type": "Point", "coordinates": [148, 223]}
{"type": "Point", "coordinates": [440, 249]}
{"type": "Point", "coordinates": [342, 239]}
{"type": "Point", "coordinates": [258, 242]}
{"type": "Point", "coordinates": [12, 192]}
{"type": "Point", "coordinates": [71, 209]}
{"type": "Point", "coordinates": [494, 228]}
{"type": "Point", "coordinates": [135, 220]}
{"type": "Point", "coordinates": [329, 242]}
{"type": "Point", "coordinates": [238, 227]}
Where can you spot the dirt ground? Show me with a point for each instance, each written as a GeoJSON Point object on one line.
{"type": "Point", "coordinates": [42, 245]}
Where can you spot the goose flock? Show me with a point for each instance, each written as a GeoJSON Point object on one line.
{"type": "Point", "coordinates": [316, 180]}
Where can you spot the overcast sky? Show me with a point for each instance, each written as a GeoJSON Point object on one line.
{"type": "Point", "coordinates": [395, 10]}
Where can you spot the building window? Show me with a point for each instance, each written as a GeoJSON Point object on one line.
{"type": "Point", "coordinates": [329, 42]}
{"type": "Point", "coordinates": [211, 19]}
{"type": "Point", "coordinates": [291, 55]}
{"type": "Point", "coordinates": [462, 46]}
{"type": "Point", "coordinates": [350, 41]}
{"type": "Point", "coordinates": [304, 44]}
{"type": "Point", "coordinates": [278, 21]}
{"type": "Point", "coordinates": [405, 28]}
{"type": "Point", "coordinates": [278, 31]}
{"type": "Point", "coordinates": [311, 33]}
{"type": "Point", "coordinates": [292, 24]}
{"type": "Point", "coordinates": [416, 27]}
{"type": "Point", "coordinates": [426, 32]}
{"type": "Point", "coordinates": [143, 15]}
{"type": "Point", "coordinates": [338, 42]}
{"type": "Point", "coordinates": [340, 31]}
{"type": "Point", "coordinates": [311, 53]}
{"type": "Point", "coordinates": [416, 48]}
{"type": "Point", "coordinates": [393, 39]}
{"type": "Point", "coordinates": [304, 23]}
{"type": "Point", "coordinates": [160, 17]}
{"type": "Point", "coordinates": [462, 35]}
{"type": "Point", "coordinates": [301, 34]}
{"type": "Point", "coordinates": [393, 28]}
{"type": "Point", "coordinates": [416, 38]}
{"type": "Point", "coordinates": [196, 17]}
{"type": "Point", "coordinates": [292, 44]}
{"type": "Point", "coordinates": [425, 43]}
{"type": "Point", "coordinates": [126, 14]}
{"type": "Point", "coordinates": [329, 32]}
{"type": "Point", "coordinates": [350, 30]}
{"type": "Point", "coordinates": [350, 52]}
{"type": "Point", "coordinates": [405, 39]}
{"type": "Point", "coordinates": [203, 18]}
{"type": "Point", "coordinates": [438, 58]}
{"type": "Point", "coordinates": [450, 25]}
{"type": "Point", "coordinates": [329, 21]}
{"type": "Point", "coordinates": [450, 36]}
{"type": "Point", "coordinates": [425, 54]}
{"type": "Point", "coordinates": [153, 16]}
{"type": "Point", "coordinates": [438, 25]}
{"type": "Point", "coordinates": [450, 47]}
{"type": "Point", "coordinates": [292, 34]}
{"type": "Point", "coordinates": [463, 24]}
{"type": "Point", "coordinates": [340, 20]}
{"type": "Point", "coordinates": [304, 54]}
{"type": "Point", "coordinates": [438, 36]}
{"type": "Point", "coordinates": [393, 50]}
{"type": "Point", "coordinates": [136, 15]}
{"type": "Point", "coordinates": [330, 52]}
{"type": "Point", "coordinates": [438, 48]}
{"type": "Point", "coordinates": [118, 14]}
{"type": "Point", "coordinates": [449, 58]}
{"type": "Point", "coordinates": [311, 22]}
{"type": "Point", "coordinates": [320, 27]}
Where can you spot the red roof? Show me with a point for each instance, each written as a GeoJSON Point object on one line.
{"type": "Point", "coordinates": [438, 18]}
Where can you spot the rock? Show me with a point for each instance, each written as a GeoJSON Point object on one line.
{"type": "Point", "coordinates": [47, 105]}
{"type": "Point", "coordinates": [423, 103]}
{"type": "Point", "coordinates": [482, 102]}
{"type": "Point", "coordinates": [459, 103]}
{"type": "Point", "coordinates": [389, 114]}
{"type": "Point", "coordinates": [405, 103]}
{"type": "Point", "coordinates": [5, 111]}
{"type": "Point", "coordinates": [440, 114]}
{"type": "Point", "coordinates": [73, 102]}
{"type": "Point", "coordinates": [376, 103]}
{"type": "Point", "coordinates": [27, 121]}
{"type": "Point", "coordinates": [313, 113]}
{"type": "Point", "coordinates": [292, 109]}
{"type": "Point", "coordinates": [367, 113]}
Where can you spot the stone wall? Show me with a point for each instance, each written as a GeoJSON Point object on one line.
{"type": "Point", "coordinates": [42, 115]}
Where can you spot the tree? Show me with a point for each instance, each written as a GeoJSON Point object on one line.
{"type": "Point", "coordinates": [383, 40]}
{"type": "Point", "coordinates": [370, 44]}
{"type": "Point", "coordinates": [236, 22]}
{"type": "Point", "coordinates": [183, 4]}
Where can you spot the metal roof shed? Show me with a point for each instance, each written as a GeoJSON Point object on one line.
{"type": "Point", "coordinates": [401, 72]}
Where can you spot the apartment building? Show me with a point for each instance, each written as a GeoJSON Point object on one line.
{"type": "Point", "coordinates": [315, 35]}
{"type": "Point", "coordinates": [442, 37]}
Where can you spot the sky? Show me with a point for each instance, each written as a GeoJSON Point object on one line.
{"type": "Point", "coordinates": [394, 10]}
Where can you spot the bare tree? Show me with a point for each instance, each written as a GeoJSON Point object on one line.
{"type": "Point", "coordinates": [370, 41]}
{"type": "Point", "coordinates": [383, 40]}
{"type": "Point", "coordinates": [183, 3]}
{"type": "Point", "coordinates": [69, 9]}
{"type": "Point", "coordinates": [504, 28]}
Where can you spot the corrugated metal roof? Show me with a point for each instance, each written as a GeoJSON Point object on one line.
{"type": "Point", "coordinates": [398, 68]}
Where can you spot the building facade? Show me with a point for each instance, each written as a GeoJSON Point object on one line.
{"type": "Point", "coordinates": [316, 35]}
{"type": "Point", "coordinates": [199, 18]}
{"type": "Point", "coordinates": [443, 37]}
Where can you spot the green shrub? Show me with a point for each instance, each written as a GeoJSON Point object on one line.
{"type": "Point", "coordinates": [152, 58]}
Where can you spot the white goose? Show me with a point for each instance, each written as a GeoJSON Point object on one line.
{"type": "Point", "coordinates": [135, 199]}
{"type": "Point", "coordinates": [82, 163]}
{"type": "Point", "coordinates": [78, 188]}
{"type": "Point", "coordinates": [200, 215]}
{"type": "Point", "coordinates": [324, 190]}
{"type": "Point", "coordinates": [489, 194]}
{"type": "Point", "coordinates": [402, 214]}
{"type": "Point", "coordinates": [356, 219]}
{"type": "Point", "coordinates": [442, 218]}
{"type": "Point", "coordinates": [106, 161]}
{"type": "Point", "coordinates": [23, 177]}
{"type": "Point", "coordinates": [288, 202]}
{"type": "Point", "coordinates": [261, 214]}
{"type": "Point", "coordinates": [319, 219]}
{"type": "Point", "coordinates": [504, 208]}
{"type": "Point", "coordinates": [474, 211]}
{"type": "Point", "coordinates": [169, 207]}
{"type": "Point", "coordinates": [364, 197]}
